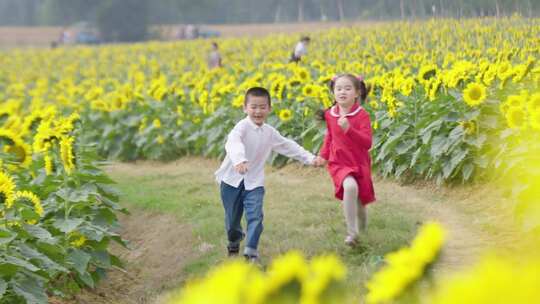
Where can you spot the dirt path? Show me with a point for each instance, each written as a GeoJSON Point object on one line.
{"type": "Point", "coordinates": [473, 219]}
{"type": "Point", "coordinates": [162, 248]}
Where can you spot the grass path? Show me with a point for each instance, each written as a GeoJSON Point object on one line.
{"type": "Point", "coordinates": [176, 226]}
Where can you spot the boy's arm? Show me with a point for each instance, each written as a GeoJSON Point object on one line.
{"type": "Point", "coordinates": [290, 148]}
{"type": "Point", "coordinates": [361, 135]}
{"type": "Point", "coordinates": [235, 147]}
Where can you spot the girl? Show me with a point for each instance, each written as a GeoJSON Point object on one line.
{"type": "Point", "coordinates": [346, 149]}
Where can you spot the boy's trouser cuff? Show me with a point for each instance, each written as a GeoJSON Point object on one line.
{"type": "Point", "coordinates": [251, 252]}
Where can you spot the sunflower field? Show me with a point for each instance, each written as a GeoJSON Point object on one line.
{"type": "Point", "coordinates": [451, 101]}
{"type": "Point", "coordinates": [58, 210]}
{"type": "Point", "coordinates": [443, 92]}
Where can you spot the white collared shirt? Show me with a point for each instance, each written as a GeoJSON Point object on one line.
{"type": "Point", "coordinates": [254, 144]}
{"type": "Point", "coordinates": [334, 111]}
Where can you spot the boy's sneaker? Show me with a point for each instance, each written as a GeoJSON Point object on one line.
{"type": "Point", "coordinates": [233, 251]}
{"type": "Point", "coordinates": [351, 241]}
{"type": "Point", "coordinates": [252, 259]}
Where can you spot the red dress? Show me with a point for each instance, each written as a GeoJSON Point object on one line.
{"type": "Point", "coordinates": [347, 152]}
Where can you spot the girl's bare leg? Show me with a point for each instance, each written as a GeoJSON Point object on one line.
{"type": "Point", "coordinates": [350, 208]}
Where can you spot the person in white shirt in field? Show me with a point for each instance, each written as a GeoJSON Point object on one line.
{"type": "Point", "coordinates": [300, 49]}
{"type": "Point", "coordinates": [241, 174]}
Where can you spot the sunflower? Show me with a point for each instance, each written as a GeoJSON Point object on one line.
{"type": "Point", "coordinates": [45, 137]}
{"type": "Point", "coordinates": [66, 153]}
{"type": "Point", "coordinates": [49, 164]}
{"type": "Point", "coordinates": [520, 72]}
{"type": "Point", "coordinates": [7, 137]}
{"type": "Point", "coordinates": [504, 70]}
{"type": "Point", "coordinates": [474, 94]}
{"type": "Point", "coordinates": [160, 140]}
{"type": "Point", "coordinates": [277, 89]}
{"type": "Point", "coordinates": [535, 120]}
{"type": "Point", "coordinates": [489, 76]}
{"type": "Point", "coordinates": [503, 107]}
{"type": "Point", "coordinates": [390, 57]}
{"type": "Point", "coordinates": [468, 126]}
{"type": "Point", "coordinates": [31, 198]}
{"type": "Point", "coordinates": [294, 82]}
{"type": "Point", "coordinates": [285, 115]}
{"type": "Point", "coordinates": [7, 188]}
{"type": "Point", "coordinates": [93, 93]}
{"type": "Point", "coordinates": [516, 118]}
{"type": "Point", "coordinates": [515, 101]}
{"type": "Point", "coordinates": [79, 242]}
{"type": "Point", "coordinates": [64, 125]}
{"type": "Point", "coordinates": [31, 122]}
{"type": "Point", "coordinates": [22, 152]}
{"type": "Point", "coordinates": [156, 123]}
{"type": "Point", "coordinates": [427, 72]}
{"type": "Point", "coordinates": [238, 101]}
{"type": "Point", "coordinates": [533, 104]}
{"type": "Point", "coordinates": [302, 74]}
{"type": "Point", "coordinates": [99, 105]}
{"type": "Point", "coordinates": [310, 90]}
{"type": "Point", "coordinates": [407, 86]}
{"type": "Point", "coordinates": [289, 269]}
{"type": "Point", "coordinates": [16, 146]}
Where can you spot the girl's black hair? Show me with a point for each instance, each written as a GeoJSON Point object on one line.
{"type": "Point", "coordinates": [358, 83]}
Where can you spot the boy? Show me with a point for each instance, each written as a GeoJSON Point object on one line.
{"type": "Point", "coordinates": [241, 175]}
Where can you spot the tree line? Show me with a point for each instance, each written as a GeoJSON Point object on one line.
{"type": "Point", "coordinates": [65, 12]}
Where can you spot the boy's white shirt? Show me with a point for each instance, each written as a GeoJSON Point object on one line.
{"type": "Point", "coordinates": [248, 142]}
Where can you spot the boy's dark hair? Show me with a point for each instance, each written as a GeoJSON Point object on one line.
{"type": "Point", "coordinates": [359, 85]}
{"type": "Point", "coordinates": [257, 91]}
{"type": "Point", "coordinates": [305, 38]}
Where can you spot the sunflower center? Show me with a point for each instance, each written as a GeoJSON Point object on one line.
{"type": "Point", "coordinates": [518, 117]}
{"type": "Point", "coordinates": [475, 93]}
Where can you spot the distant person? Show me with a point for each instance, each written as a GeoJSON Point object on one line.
{"type": "Point", "coordinates": [180, 33]}
{"type": "Point", "coordinates": [214, 59]}
{"type": "Point", "coordinates": [300, 49]}
{"type": "Point", "coordinates": [192, 32]}
{"type": "Point", "coordinates": [65, 36]}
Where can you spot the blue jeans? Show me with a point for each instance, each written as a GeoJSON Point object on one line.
{"type": "Point", "coordinates": [236, 201]}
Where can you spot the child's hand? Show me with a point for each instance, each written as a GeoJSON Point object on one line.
{"type": "Point", "coordinates": [343, 122]}
{"type": "Point", "coordinates": [241, 168]}
{"type": "Point", "coordinates": [319, 161]}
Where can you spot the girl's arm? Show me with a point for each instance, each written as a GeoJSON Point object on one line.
{"type": "Point", "coordinates": [325, 149]}
{"type": "Point", "coordinates": [361, 135]}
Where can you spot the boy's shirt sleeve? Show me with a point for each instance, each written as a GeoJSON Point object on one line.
{"type": "Point", "coordinates": [234, 146]}
{"type": "Point", "coordinates": [290, 148]}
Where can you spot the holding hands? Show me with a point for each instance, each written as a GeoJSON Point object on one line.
{"type": "Point", "coordinates": [242, 167]}
{"type": "Point", "coordinates": [319, 161]}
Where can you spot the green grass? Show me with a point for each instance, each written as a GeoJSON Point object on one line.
{"type": "Point", "coordinates": [300, 213]}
